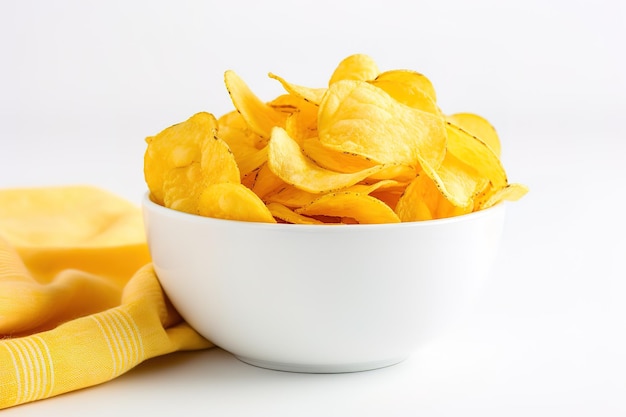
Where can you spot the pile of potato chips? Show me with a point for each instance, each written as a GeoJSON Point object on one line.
{"type": "Point", "coordinates": [372, 147]}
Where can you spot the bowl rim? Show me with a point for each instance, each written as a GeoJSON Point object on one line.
{"type": "Point", "coordinates": [148, 204]}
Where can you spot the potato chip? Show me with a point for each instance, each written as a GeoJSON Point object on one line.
{"type": "Point", "coordinates": [218, 162]}
{"type": "Point", "coordinates": [233, 202]}
{"type": "Point", "coordinates": [287, 161]}
{"type": "Point", "coordinates": [414, 203]}
{"type": "Point", "coordinates": [458, 182]}
{"type": "Point", "coordinates": [311, 95]}
{"type": "Point", "coordinates": [423, 200]}
{"type": "Point", "coordinates": [302, 122]}
{"type": "Point", "coordinates": [332, 159]}
{"type": "Point", "coordinates": [287, 215]}
{"type": "Point", "coordinates": [249, 179]}
{"type": "Point", "coordinates": [249, 149]}
{"type": "Point", "coordinates": [259, 116]}
{"type": "Point", "coordinates": [266, 182]}
{"type": "Point", "coordinates": [378, 185]}
{"type": "Point", "coordinates": [475, 154]}
{"type": "Point", "coordinates": [409, 88]}
{"type": "Point", "coordinates": [511, 192]}
{"type": "Point", "coordinates": [360, 207]}
{"type": "Point", "coordinates": [357, 117]}
{"type": "Point", "coordinates": [290, 196]}
{"type": "Point", "coordinates": [397, 172]}
{"type": "Point", "coordinates": [372, 147]}
{"type": "Point", "coordinates": [413, 80]}
{"type": "Point", "coordinates": [479, 127]}
{"type": "Point", "coordinates": [232, 128]}
{"type": "Point", "coordinates": [389, 197]}
{"type": "Point", "coordinates": [182, 187]}
{"type": "Point", "coordinates": [177, 146]}
{"type": "Point", "coordinates": [358, 67]}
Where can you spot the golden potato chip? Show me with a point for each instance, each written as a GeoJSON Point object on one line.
{"type": "Point", "coordinates": [218, 162]}
{"type": "Point", "coordinates": [249, 149]}
{"type": "Point", "coordinates": [290, 196]}
{"type": "Point", "coordinates": [287, 161]}
{"type": "Point", "coordinates": [311, 95]}
{"type": "Point", "coordinates": [475, 154]}
{"type": "Point", "coordinates": [259, 116]}
{"type": "Point", "coordinates": [332, 159]}
{"type": "Point", "coordinates": [479, 127]}
{"type": "Point", "coordinates": [378, 185]}
{"type": "Point", "coordinates": [287, 215]}
{"type": "Point", "coordinates": [266, 182]}
{"type": "Point", "coordinates": [233, 202]}
{"type": "Point", "coordinates": [389, 197]}
{"type": "Point", "coordinates": [457, 181]}
{"type": "Point", "coordinates": [302, 124]}
{"type": "Point", "coordinates": [413, 80]}
{"type": "Point", "coordinates": [182, 187]}
{"type": "Point", "coordinates": [175, 147]}
{"type": "Point", "coordinates": [357, 117]}
{"type": "Point", "coordinates": [232, 128]}
{"type": "Point", "coordinates": [397, 172]}
{"type": "Point", "coordinates": [372, 147]}
{"type": "Point", "coordinates": [409, 88]}
{"type": "Point", "coordinates": [360, 207]}
{"type": "Point", "coordinates": [511, 192]}
{"type": "Point", "coordinates": [357, 67]}
{"type": "Point", "coordinates": [446, 209]}
{"type": "Point", "coordinates": [414, 203]}
{"type": "Point", "coordinates": [423, 200]}
{"type": "Point", "coordinates": [250, 178]}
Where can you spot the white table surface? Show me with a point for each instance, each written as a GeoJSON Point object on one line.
{"type": "Point", "coordinates": [83, 85]}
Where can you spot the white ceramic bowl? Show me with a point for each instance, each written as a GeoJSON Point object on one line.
{"type": "Point", "coordinates": [311, 298]}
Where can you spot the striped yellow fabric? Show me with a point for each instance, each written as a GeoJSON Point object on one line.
{"type": "Point", "coordinates": [79, 301]}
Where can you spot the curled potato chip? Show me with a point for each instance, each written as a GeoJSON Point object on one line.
{"type": "Point", "coordinates": [311, 95]}
{"type": "Point", "coordinates": [397, 172]}
{"type": "Point", "coordinates": [412, 80]}
{"type": "Point", "coordinates": [357, 117]}
{"type": "Point", "coordinates": [287, 215]}
{"type": "Point", "coordinates": [479, 127]}
{"type": "Point", "coordinates": [475, 154]}
{"type": "Point", "coordinates": [357, 67]}
{"type": "Point", "coordinates": [218, 162]}
{"type": "Point", "coordinates": [290, 196]}
{"type": "Point", "coordinates": [332, 159]}
{"type": "Point", "coordinates": [301, 122]}
{"type": "Point", "coordinates": [410, 88]}
{"type": "Point", "coordinates": [287, 161]}
{"type": "Point", "coordinates": [371, 148]}
{"type": "Point", "coordinates": [259, 116]}
{"type": "Point", "coordinates": [360, 207]}
{"type": "Point", "coordinates": [511, 192]}
{"type": "Point", "coordinates": [417, 200]}
{"type": "Point", "coordinates": [233, 202]}
{"type": "Point", "coordinates": [177, 146]}
{"type": "Point", "coordinates": [266, 182]}
{"type": "Point", "coordinates": [378, 185]}
{"type": "Point", "coordinates": [423, 200]}
{"type": "Point", "coordinates": [458, 182]}
{"type": "Point", "coordinates": [248, 148]}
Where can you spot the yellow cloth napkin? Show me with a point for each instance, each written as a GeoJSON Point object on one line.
{"type": "Point", "coordinates": [79, 301]}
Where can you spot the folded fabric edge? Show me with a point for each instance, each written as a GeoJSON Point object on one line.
{"type": "Point", "coordinates": [94, 349]}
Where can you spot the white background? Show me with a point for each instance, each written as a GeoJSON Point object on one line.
{"type": "Point", "coordinates": [82, 83]}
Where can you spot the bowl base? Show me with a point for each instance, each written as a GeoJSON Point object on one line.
{"type": "Point", "coordinates": [320, 368]}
